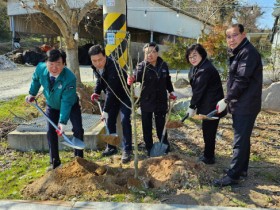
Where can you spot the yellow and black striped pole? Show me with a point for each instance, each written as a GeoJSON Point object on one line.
{"type": "Point", "coordinates": [115, 27]}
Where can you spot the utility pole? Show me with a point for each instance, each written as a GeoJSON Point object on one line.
{"type": "Point", "coordinates": [115, 36]}
{"type": "Point", "coordinates": [115, 30]}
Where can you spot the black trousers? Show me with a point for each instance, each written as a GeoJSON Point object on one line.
{"type": "Point", "coordinates": [242, 127]}
{"type": "Point", "coordinates": [125, 121]}
{"type": "Point", "coordinates": [147, 125]}
{"type": "Point", "coordinates": [209, 130]}
{"type": "Point", "coordinates": [78, 131]}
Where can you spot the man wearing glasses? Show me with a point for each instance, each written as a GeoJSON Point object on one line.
{"type": "Point", "coordinates": [243, 100]}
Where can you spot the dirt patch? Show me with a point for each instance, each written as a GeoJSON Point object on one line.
{"type": "Point", "coordinates": [74, 179]}
{"type": "Point", "coordinates": [178, 177]}
{"type": "Point", "coordinates": [80, 176]}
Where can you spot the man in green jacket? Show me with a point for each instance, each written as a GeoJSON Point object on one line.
{"type": "Point", "coordinates": [59, 89]}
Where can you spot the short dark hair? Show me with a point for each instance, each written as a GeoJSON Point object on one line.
{"type": "Point", "coordinates": [54, 55]}
{"type": "Point", "coordinates": [197, 47]}
{"type": "Point", "coordinates": [237, 25]}
{"type": "Point", "coordinates": [151, 44]}
{"type": "Point", "coordinates": [96, 49]}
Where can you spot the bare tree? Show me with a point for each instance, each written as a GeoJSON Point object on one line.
{"type": "Point", "coordinates": [67, 17]}
{"type": "Point", "coordinates": [248, 17]}
{"type": "Point", "coordinates": [210, 12]}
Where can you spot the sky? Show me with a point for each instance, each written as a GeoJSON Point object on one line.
{"type": "Point", "coordinates": [267, 20]}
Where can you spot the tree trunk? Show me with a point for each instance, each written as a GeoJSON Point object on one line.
{"type": "Point", "coordinates": [134, 130]}
{"type": "Point", "coordinates": [73, 62]}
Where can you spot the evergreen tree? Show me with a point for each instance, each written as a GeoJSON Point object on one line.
{"type": "Point", "coordinates": [4, 22]}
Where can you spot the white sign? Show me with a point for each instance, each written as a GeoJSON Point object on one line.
{"type": "Point", "coordinates": [111, 38]}
{"type": "Point", "coordinates": [110, 3]}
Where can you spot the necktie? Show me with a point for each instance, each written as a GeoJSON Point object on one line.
{"type": "Point", "coordinates": [52, 79]}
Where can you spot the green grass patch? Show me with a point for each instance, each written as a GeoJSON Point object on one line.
{"type": "Point", "coordinates": [239, 202]}
{"type": "Point", "coordinates": [256, 158]}
{"type": "Point", "coordinates": [15, 107]}
{"type": "Point", "coordinates": [20, 171]}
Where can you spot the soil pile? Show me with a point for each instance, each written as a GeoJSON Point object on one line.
{"type": "Point", "coordinates": [81, 177]}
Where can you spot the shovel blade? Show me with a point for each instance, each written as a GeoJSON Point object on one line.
{"type": "Point", "coordinates": [112, 139]}
{"type": "Point", "coordinates": [206, 117]}
{"type": "Point", "coordinates": [158, 149]}
{"type": "Point", "coordinates": [74, 143]}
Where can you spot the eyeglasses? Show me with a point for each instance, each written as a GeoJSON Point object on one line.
{"type": "Point", "coordinates": [234, 36]}
{"type": "Point", "coordinates": [193, 57]}
{"type": "Point", "coordinates": [150, 52]}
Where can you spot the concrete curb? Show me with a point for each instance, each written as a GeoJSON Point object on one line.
{"type": "Point", "coordinates": [61, 205]}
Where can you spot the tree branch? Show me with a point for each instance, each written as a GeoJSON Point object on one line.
{"type": "Point", "coordinates": [88, 7]}
{"type": "Point", "coordinates": [43, 7]}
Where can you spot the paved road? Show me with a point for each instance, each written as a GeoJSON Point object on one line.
{"type": "Point", "coordinates": [16, 82]}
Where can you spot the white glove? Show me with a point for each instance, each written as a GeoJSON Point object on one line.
{"type": "Point", "coordinates": [104, 116]}
{"type": "Point", "coordinates": [61, 129]}
{"type": "Point", "coordinates": [221, 106]}
{"type": "Point", "coordinates": [191, 112]}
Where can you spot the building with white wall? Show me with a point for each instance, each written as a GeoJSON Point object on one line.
{"type": "Point", "coordinates": [146, 19]}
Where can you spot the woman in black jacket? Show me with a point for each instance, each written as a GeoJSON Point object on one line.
{"type": "Point", "coordinates": [207, 91]}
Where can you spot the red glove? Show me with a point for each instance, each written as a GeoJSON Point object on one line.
{"type": "Point", "coordinates": [29, 99]}
{"type": "Point", "coordinates": [61, 129]}
{"type": "Point", "coordinates": [172, 96]}
{"type": "Point", "coordinates": [94, 97]}
{"type": "Point", "coordinates": [130, 80]}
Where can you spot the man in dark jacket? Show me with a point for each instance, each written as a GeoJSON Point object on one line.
{"type": "Point", "coordinates": [154, 75]}
{"type": "Point", "coordinates": [243, 99]}
{"type": "Point", "coordinates": [109, 79]}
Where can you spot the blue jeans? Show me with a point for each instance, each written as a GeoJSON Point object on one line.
{"type": "Point", "coordinates": [78, 131]}
{"type": "Point", "coordinates": [125, 121]}
{"type": "Point", "coordinates": [242, 127]}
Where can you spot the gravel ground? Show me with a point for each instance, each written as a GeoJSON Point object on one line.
{"type": "Point", "coordinates": [16, 82]}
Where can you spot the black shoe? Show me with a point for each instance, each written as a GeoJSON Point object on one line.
{"type": "Point", "coordinates": [52, 167]}
{"type": "Point", "coordinates": [225, 181]}
{"type": "Point", "coordinates": [79, 153]}
{"type": "Point", "coordinates": [242, 174]}
{"type": "Point", "coordinates": [109, 152]}
{"type": "Point", "coordinates": [126, 156]}
{"type": "Point", "coordinates": [148, 153]}
{"type": "Point", "coordinates": [207, 161]}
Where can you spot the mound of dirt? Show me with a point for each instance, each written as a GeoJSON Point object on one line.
{"type": "Point", "coordinates": [81, 176]}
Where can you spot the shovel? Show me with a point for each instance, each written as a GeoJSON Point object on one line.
{"type": "Point", "coordinates": [209, 116]}
{"type": "Point", "coordinates": [159, 148]}
{"type": "Point", "coordinates": [112, 139]}
{"type": "Point", "coordinates": [74, 143]}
